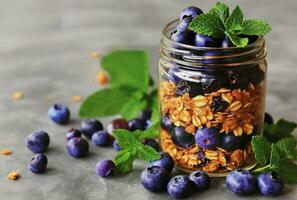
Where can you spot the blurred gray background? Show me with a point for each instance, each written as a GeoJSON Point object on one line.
{"type": "Point", "coordinates": [44, 52]}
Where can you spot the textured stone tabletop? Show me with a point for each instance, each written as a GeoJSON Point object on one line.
{"type": "Point", "coordinates": [44, 52]}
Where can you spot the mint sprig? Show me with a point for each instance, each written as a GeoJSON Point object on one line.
{"type": "Point", "coordinates": [281, 129]}
{"type": "Point", "coordinates": [218, 23]}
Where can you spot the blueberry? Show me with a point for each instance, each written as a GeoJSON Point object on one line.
{"type": "Point", "coordinates": [154, 178]}
{"type": "Point", "coordinates": [180, 187]}
{"type": "Point", "coordinates": [182, 36]}
{"type": "Point", "coordinates": [207, 138]}
{"type": "Point", "coordinates": [105, 168]}
{"type": "Point", "coordinates": [181, 138]}
{"type": "Point", "coordinates": [241, 182]}
{"type": "Point", "coordinates": [205, 41]}
{"type": "Point", "coordinates": [77, 147]}
{"type": "Point", "coordinates": [237, 79]}
{"type": "Point", "coordinates": [191, 12]}
{"type": "Point", "coordinates": [166, 123]}
{"type": "Point", "coordinates": [38, 141]}
{"type": "Point", "coordinates": [270, 184]}
{"type": "Point", "coordinates": [182, 87]}
{"type": "Point", "coordinates": [268, 118]}
{"type": "Point", "coordinates": [255, 74]}
{"type": "Point", "coordinates": [227, 43]}
{"type": "Point", "coordinates": [195, 89]}
{"type": "Point", "coordinates": [89, 127]}
{"type": "Point", "coordinates": [203, 159]}
{"type": "Point", "coordinates": [59, 114]}
{"type": "Point", "coordinates": [184, 23]}
{"type": "Point", "coordinates": [200, 179]}
{"type": "Point", "coordinates": [73, 133]}
{"type": "Point", "coordinates": [146, 114]}
{"type": "Point", "coordinates": [137, 124]}
{"type": "Point", "coordinates": [165, 162]}
{"type": "Point", "coordinates": [213, 83]}
{"type": "Point", "coordinates": [100, 138]}
{"type": "Point", "coordinates": [173, 76]}
{"type": "Point", "coordinates": [218, 104]}
{"type": "Point", "coordinates": [230, 142]}
{"type": "Point", "coordinates": [152, 143]}
{"type": "Point", "coordinates": [38, 163]}
{"type": "Point", "coordinates": [148, 123]}
{"type": "Point", "coordinates": [116, 145]}
{"type": "Point", "coordinates": [117, 124]}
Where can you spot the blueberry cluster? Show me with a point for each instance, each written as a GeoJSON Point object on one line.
{"type": "Point", "coordinates": [157, 178]}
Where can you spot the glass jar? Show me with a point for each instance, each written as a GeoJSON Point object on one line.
{"type": "Point", "coordinates": [212, 103]}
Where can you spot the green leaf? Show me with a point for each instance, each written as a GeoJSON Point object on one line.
{"type": "Point", "coordinates": [124, 161]}
{"type": "Point", "coordinates": [133, 107]}
{"type": "Point", "coordinates": [287, 171]}
{"type": "Point", "coordinates": [151, 132]}
{"type": "Point", "coordinates": [274, 156]}
{"type": "Point", "coordinates": [255, 27]}
{"type": "Point", "coordinates": [208, 24]}
{"type": "Point", "coordinates": [287, 148]}
{"type": "Point", "coordinates": [106, 102]}
{"type": "Point", "coordinates": [235, 20]}
{"type": "Point", "coordinates": [237, 41]}
{"type": "Point", "coordinates": [124, 138]}
{"type": "Point", "coordinates": [145, 152]}
{"type": "Point", "coordinates": [281, 129]}
{"type": "Point", "coordinates": [262, 149]}
{"type": "Point", "coordinates": [128, 67]}
{"type": "Point", "coordinates": [122, 156]}
{"type": "Point", "coordinates": [221, 10]}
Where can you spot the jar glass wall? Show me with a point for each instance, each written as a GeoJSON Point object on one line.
{"type": "Point", "coordinates": [212, 103]}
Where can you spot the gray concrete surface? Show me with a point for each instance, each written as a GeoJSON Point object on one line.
{"type": "Point", "coordinates": [44, 47]}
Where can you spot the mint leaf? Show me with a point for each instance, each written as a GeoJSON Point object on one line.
{"type": "Point", "coordinates": [208, 24]}
{"type": "Point", "coordinates": [255, 27]}
{"type": "Point", "coordinates": [281, 129]}
{"type": "Point", "coordinates": [262, 149]}
{"type": "Point", "coordinates": [127, 67]}
{"type": "Point", "coordinates": [287, 171]}
{"type": "Point", "coordinates": [124, 161]}
{"type": "Point", "coordinates": [235, 20]}
{"type": "Point", "coordinates": [124, 138]}
{"type": "Point", "coordinates": [220, 10]}
{"type": "Point", "coordinates": [287, 148]}
{"type": "Point", "coordinates": [237, 41]}
{"type": "Point", "coordinates": [145, 152]}
{"type": "Point", "coordinates": [133, 106]}
{"type": "Point", "coordinates": [106, 102]}
{"type": "Point", "coordinates": [151, 132]}
{"type": "Point", "coordinates": [274, 157]}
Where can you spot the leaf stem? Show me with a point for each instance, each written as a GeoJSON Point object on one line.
{"type": "Point", "coordinates": [262, 168]}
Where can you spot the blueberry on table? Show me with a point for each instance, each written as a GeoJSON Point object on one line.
{"type": "Point", "coordinates": [137, 124]}
{"type": "Point", "coordinates": [117, 124]}
{"type": "Point", "coordinates": [218, 104]}
{"type": "Point", "coordinates": [77, 147]}
{"type": "Point", "coordinates": [154, 178]}
{"type": "Point", "coordinates": [38, 141]}
{"type": "Point", "coordinates": [59, 114]}
{"type": "Point", "coordinates": [146, 114]}
{"type": "Point", "coordinates": [166, 123]}
{"type": "Point", "coordinates": [230, 142]}
{"type": "Point", "coordinates": [200, 179]}
{"type": "Point", "coordinates": [152, 143]}
{"type": "Point", "coordinates": [270, 184]}
{"type": "Point", "coordinates": [268, 118]}
{"type": "Point", "coordinates": [183, 36]}
{"type": "Point", "coordinates": [191, 12]}
{"type": "Point", "coordinates": [184, 23]}
{"type": "Point", "coordinates": [90, 126]}
{"type": "Point", "coordinates": [105, 168]}
{"type": "Point", "coordinates": [116, 145]}
{"type": "Point", "coordinates": [181, 138]}
{"type": "Point", "coordinates": [180, 187]}
{"type": "Point", "coordinates": [72, 133]}
{"type": "Point", "coordinates": [101, 138]}
{"type": "Point", "coordinates": [207, 138]}
{"type": "Point", "coordinates": [205, 41]}
{"type": "Point", "coordinates": [241, 181]}
{"type": "Point", "coordinates": [38, 163]}
{"type": "Point", "coordinates": [165, 162]}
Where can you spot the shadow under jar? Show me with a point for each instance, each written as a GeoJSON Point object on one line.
{"type": "Point", "coordinates": [212, 103]}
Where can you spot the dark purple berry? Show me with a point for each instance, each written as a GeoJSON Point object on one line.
{"type": "Point", "coordinates": [117, 124]}
{"type": "Point", "coordinates": [173, 75]}
{"type": "Point", "coordinates": [207, 138]}
{"type": "Point", "coordinates": [38, 163]}
{"type": "Point", "coordinates": [154, 178]}
{"type": "Point", "coordinates": [191, 12]}
{"type": "Point", "coordinates": [241, 181]}
{"type": "Point", "coordinates": [101, 138]}
{"type": "Point", "coordinates": [137, 124]}
{"type": "Point", "coordinates": [256, 74]}
{"type": "Point", "coordinates": [59, 114]}
{"type": "Point", "coordinates": [184, 23]}
{"type": "Point", "coordinates": [200, 179]}
{"type": "Point", "coordinates": [270, 184]}
{"type": "Point", "coordinates": [72, 133]}
{"type": "Point", "coordinates": [182, 87]}
{"type": "Point", "coordinates": [89, 127]}
{"type": "Point", "coordinates": [230, 142]}
{"type": "Point", "coordinates": [203, 159]}
{"type": "Point", "coordinates": [218, 104]}
{"type": "Point", "coordinates": [268, 119]}
{"type": "Point", "coordinates": [166, 123]}
{"type": "Point", "coordinates": [146, 114]}
{"type": "Point", "coordinates": [195, 89]}
{"type": "Point", "coordinates": [226, 43]}
{"type": "Point", "coordinates": [77, 147]}
{"type": "Point", "coordinates": [237, 79]}
{"type": "Point", "coordinates": [38, 141]}
{"type": "Point", "coordinates": [152, 143]}
{"type": "Point", "coordinates": [205, 41]}
{"type": "Point", "coordinates": [180, 187]}
{"type": "Point", "coordinates": [165, 162]}
{"type": "Point", "coordinates": [182, 36]}
{"type": "Point", "coordinates": [181, 138]}
{"type": "Point", "coordinates": [116, 145]}
{"type": "Point", "coordinates": [105, 168]}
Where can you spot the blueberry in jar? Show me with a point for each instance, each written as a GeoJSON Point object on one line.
{"type": "Point", "coordinates": [180, 187]}
{"type": "Point", "coordinates": [59, 114]}
{"type": "Point", "coordinates": [165, 162]}
{"type": "Point", "coordinates": [241, 181]}
{"type": "Point", "coordinates": [137, 124]}
{"type": "Point", "coordinates": [255, 74]}
{"type": "Point", "coordinates": [200, 179]}
{"type": "Point", "coordinates": [218, 104]}
{"type": "Point", "coordinates": [205, 41]}
{"type": "Point", "coordinates": [191, 12]}
{"type": "Point", "coordinates": [183, 36]}
{"type": "Point", "coordinates": [172, 75]}
{"type": "Point", "coordinates": [154, 178]}
{"type": "Point", "coordinates": [270, 184]}
{"type": "Point", "coordinates": [166, 123]}
{"type": "Point", "coordinates": [184, 23]}
{"type": "Point", "coordinates": [230, 142]}
{"type": "Point", "coordinates": [89, 127]}
{"type": "Point", "coordinates": [182, 87]}
{"type": "Point", "coordinates": [38, 163]}
{"type": "Point", "coordinates": [207, 138]}
{"type": "Point", "coordinates": [237, 79]}
{"type": "Point", "coordinates": [226, 43]}
{"type": "Point", "coordinates": [101, 138]}
{"type": "Point", "coordinates": [105, 168]}
{"type": "Point", "coordinates": [38, 141]}
{"type": "Point", "coordinates": [77, 147]}
{"type": "Point", "coordinates": [73, 133]}
{"type": "Point", "coordinates": [202, 158]}
{"type": "Point", "coordinates": [195, 89]}
{"type": "Point", "coordinates": [152, 143]}
{"type": "Point", "coordinates": [181, 138]}
{"type": "Point", "coordinates": [117, 124]}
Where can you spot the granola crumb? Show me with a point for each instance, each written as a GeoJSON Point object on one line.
{"type": "Point", "coordinates": [94, 54]}
{"type": "Point", "coordinates": [5, 152]}
{"type": "Point", "coordinates": [102, 78]}
{"type": "Point", "coordinates": [76, 98]}
{"type": "Point", "coordinates": [18, 95]}
{"type": "Point", "coordinates": [14, 175]}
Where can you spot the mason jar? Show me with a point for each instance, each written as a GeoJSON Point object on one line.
{"type": "Point", "coordinates": [212, 103]}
